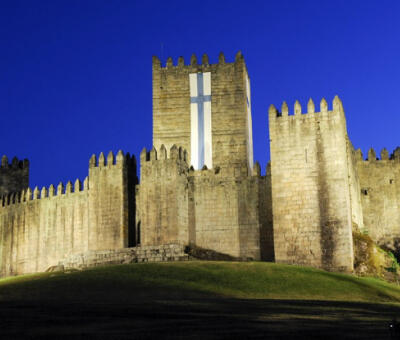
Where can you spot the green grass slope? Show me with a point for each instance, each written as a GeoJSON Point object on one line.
{"type": "Point", "coordinates": [254, 280]}
{"type": "Point", "coordinates": [197, 300]}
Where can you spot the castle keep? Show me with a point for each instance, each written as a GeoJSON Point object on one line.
{"type": "Point", "coordinates": [204, 192]}
{"type": "Point", "coordinates": [199, 187]}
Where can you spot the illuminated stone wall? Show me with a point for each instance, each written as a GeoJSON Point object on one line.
{"type": "Point", "coordinates": [39, 228]}
{"type": "Point", "coordinates": [311, 199]}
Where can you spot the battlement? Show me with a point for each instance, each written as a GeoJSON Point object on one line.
{"type": "Point", "coordinates": [195, 65]}
{"type": "Point", "coordinates": [15, 163]}
{"type": "Point", "coordinates": [58, 191]}
{"type": "Point", "coordinates": [61, 190]}
{"type": "Point", "coordinates": [337, 107]}
{"type": "Point", "coordinates": [111, 160]}
{"type": "Point", "coordinates": [222, 172]}
{"type": "Point", "coordinates": [66, 218]}
{"type": "Point", "coordinates": [175, 153]}
{"type": "Point", "coordinates": [179, 154]}
{"type": "Point", "coordinates": [384, 155]}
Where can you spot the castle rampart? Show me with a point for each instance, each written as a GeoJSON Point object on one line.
{"type": "Point", "coordinates": [200, 188]}
{"type": "Point", "coordinates": [226, 213]}
{"type": "Point", "coordinates": [209, 208]}
{"type": "Point", "coordinates": [163, 197]}
{"type": "Point", "coordinates": [111, 195]}
{"type": "Point", "coordinates": [380, 196]}
{"type": "Point", "coordinates": [39, 228]}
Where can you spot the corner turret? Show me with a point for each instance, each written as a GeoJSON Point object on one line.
{"type": "Point", "coordinates": [14, 176]}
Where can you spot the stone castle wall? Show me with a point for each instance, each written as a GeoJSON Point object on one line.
{"type": "Point", "coordinates": [111, 200]}
{"type": "Point", "coordinates": [162, 197]}
{"type": "Point", "coordinates": [14, 176]}
{"type": "Point", "coordinates": [316, 191]}
{"type": "Point", "coordinates": [310, 187]}
{"type": "Point", "coordinates": [380, 196]}
{"type": "Point", "coordinates": [171, 109]}
{"type": "Point", "coordinates": [88, 259]}
{"type": "Point", "coordinates": [266, 217]}
{"type": "Point", "coordinates": [225, 213]}
{"type": "Point", "coordinates": [357, 216]}
{"type": "Point", "coordinates": [38, 229]}
{"type": "Point", "coordinates": [206, 208]}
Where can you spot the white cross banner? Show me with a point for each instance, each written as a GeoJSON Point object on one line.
{"type": "Point", "coordinates": [200, 120]}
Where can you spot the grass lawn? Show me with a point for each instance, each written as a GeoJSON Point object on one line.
{"type": "Point", "coordinates": [197, 300]}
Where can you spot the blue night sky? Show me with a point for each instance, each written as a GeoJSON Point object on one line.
{"type": "Point", "coordinates": [75, 76]}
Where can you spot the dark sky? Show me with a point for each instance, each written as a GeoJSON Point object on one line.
{"type": "Point", "coordinates": [75, 76]}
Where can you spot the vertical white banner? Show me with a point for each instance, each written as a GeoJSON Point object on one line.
{"type": "Point", "coordinates": [194, 123]}
{"type": "Point", "coordinates": [200, 120]}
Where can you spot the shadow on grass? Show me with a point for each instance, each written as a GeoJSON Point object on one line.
{"type": "Point", "coordinates": [196, 318]}
{"type": "Point", "coordinates": [165, 302]}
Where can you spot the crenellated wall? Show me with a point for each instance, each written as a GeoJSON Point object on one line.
{"type": "Point", "coordinates": [14, 176]}
{"type": "Point", "coordinates": [380, 196]}
{"type": "Point", "coordinates": [316, 191]}
{"type": "Point", "coordinates": [162, 197]}
{"type": "Point", "coordinates": [231, 135]}
{"type": "Point", "coordinates": [311, 201]}
{"type": "Point", "coordinates": [111, 200]}
{"type": "Point", "coordinates": [210, 209]}
{"type": "Point", "coordinates": [41, 227]}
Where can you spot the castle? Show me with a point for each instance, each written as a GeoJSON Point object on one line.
{"type": "Point", "coordinates": [199, 186]}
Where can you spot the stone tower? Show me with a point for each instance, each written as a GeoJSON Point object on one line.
{"type": "Point", "coordinates": [13, 177]}
{"type": "Point", "coordinates": [206, 110]}
{"type": "Point", "coordinates": [314, 190]}
{"type": "Point", "coordinates": [198, 185]}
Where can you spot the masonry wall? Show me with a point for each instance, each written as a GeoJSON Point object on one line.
{"type": "Point", "coordinates": [380, 197]}
{"type": "Point", "coordinates": [171, 109]}
{"type": "Point", "coordinates": [310, 187]}
{"type": "Point", "coordinates": [40, 228]}
{"type": "Point", "coordinates": [215, 212]}
{"type": "Point", "coordinates": [252, 228]}
{"type": "Point", "coordinates": [163, 197]}
{"type": "Point", "coordinates": [207, 208]}
{"type": "Point", "coordinates": [109, 198]}
{"type": "Point", "coordinates": [162, 253]}
{"type": "Point", "coordinates": [266, 218]}
{"type": "Point", "coordinates": [14, 176]}
{"type": "Point", "coordinates": [357, 216]}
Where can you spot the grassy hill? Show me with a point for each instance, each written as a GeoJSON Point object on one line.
{"type": "Point", "coordinates": [254, 280]}
{"type": "Point", "coordinates": [197, 300]}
